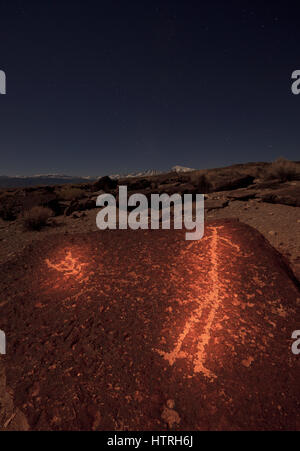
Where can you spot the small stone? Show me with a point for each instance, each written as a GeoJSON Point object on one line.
{"type": "Point", "coordinates": [170, 403]}
{"type": "Point", "coordinates": [169, 415]}
{"type": "Point", "coordinates": [248, 362]}
{"type": "Point", "coordinates": [272, 233]}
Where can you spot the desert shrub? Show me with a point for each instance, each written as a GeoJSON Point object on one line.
{"type": "Point", "coordinates": [283, 170]}
{"type": "Point", "coordinates": [9, 206]}
{"type": "Point", "coordinates": [36, 217]}
{"type": "Point", "coordinates": [8, 213]}
{"type": "Point", "coordinates": [202, 182]}
{"type": "Point", "coordinates": [71, 193]}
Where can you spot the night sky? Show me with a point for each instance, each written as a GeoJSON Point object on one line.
{"type": "Point", "coordinates": [104, 87]}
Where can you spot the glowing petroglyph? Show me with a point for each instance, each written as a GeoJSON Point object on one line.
{"type": "Point", "coordinates": [70, 266]}
{"type": "Point", "coordinates": [208, 304]}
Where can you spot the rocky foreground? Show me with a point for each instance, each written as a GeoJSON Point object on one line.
{"type": "Point", "coordinates": [33, 291]}
{"type": "Point", "coordinates": [147, 331]}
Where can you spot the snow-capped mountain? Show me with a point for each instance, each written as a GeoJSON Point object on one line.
{"type": "Point", "coordinates": [151, 172]}
{"type": "Point", "coordinates": [147, 173]}
{"type": "Point", "coordinates": [181, 169]}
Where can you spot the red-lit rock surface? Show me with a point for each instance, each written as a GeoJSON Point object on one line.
{"type": "Point", "coordinates": [143, 330]}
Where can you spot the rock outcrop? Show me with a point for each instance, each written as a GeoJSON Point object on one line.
{"type": "Point", "coordinates": [147, 330]}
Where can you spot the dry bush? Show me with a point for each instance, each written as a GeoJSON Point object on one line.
{"type": "Point", "coordinates": [202, 182]}
{"type": "Point", "coordinates": [70, 193]}
{"type": "Point", "coordinates": [36, 217]}
{"type": "Point", "coordinates": [283, 170]}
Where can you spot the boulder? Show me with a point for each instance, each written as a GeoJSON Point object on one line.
{"type": "Point", "coordinates": [269, 184]}
{"type": "Point", "coordinates": [242, 194]}
{"type": "Point", "coordinates": [231, 182]}
{"type": "Point", "coordinates": [289, 195]}
{"type": "Point", "coordinates": [138, 184]}
{"type": "Point", "coordinates": [80, 205]}
{"type": "Point", "coordinates": [188, 335]}
{"type": "Point", "coordinates": [104, 183]}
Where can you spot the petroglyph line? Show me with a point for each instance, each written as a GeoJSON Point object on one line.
{"type": "Point", "coordinates": [70, 266]}
{"type": "Point", "coordinates": [214, 301]}
{"type": "Point", "coordinates": [177, 352]}
{"type": "Point", "coordinates": [210, 302]}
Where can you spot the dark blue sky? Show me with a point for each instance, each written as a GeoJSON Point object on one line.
{"type": "Point", "coordinates": [115, 86]}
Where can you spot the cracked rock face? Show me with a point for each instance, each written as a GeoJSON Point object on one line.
{"type": "Point", "coordinates": [143, 330]}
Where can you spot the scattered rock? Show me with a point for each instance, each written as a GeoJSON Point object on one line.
{"type": "Point", "coordinates": [169, 415]}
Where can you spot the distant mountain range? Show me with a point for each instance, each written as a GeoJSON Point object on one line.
{"type": "Point", "coordinates": [59, 179]}
{"type": "Point", "coordinates": [36, 180]}
{"type": "Point", "coordinates": [151, 172]}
